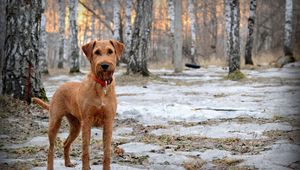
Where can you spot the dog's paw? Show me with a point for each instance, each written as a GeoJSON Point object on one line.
{"type": "Point", "coordinates": [70, 165]}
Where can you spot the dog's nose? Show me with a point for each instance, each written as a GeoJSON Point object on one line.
{"type": "Point", "coordinates": [104, 66]}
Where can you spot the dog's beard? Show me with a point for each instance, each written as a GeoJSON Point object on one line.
{"type": "Point", "coordinates": [105, 75]}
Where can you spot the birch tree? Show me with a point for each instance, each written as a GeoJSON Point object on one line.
{"type": "Point", "coordinates": [128, 31]}
{"type": "Point", "coordinates": [74, 49]}
{"type": "Point", "coordinates": [234, 38]}
{"type": "Point", "coordinates": [43, 44]}
{"type": "Point", "coordinates": [21, 76]}
{"type": "Point", "coordinates": [141, 39]}
{"type": "Point", "coordinates": [288, 28]}
{"type": "Point", "coordinates": [249, 41]}
{"type": "Point", "coordinates": [193, 31]}
{"type": "Point", "coordinates": [178, 37]}
{"type": "Point", "coordinates": [234, 59]}
{"type": "Point", "coordinates": [62, 24]}
{"type": "Point", "coordinates": [117, 24]}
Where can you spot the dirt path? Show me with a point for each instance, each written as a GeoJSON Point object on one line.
{"type": "Point", "coordinates": [191, 120]}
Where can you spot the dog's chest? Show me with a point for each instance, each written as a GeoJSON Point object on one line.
{"type": "Point", "coordinates": [98, 118]}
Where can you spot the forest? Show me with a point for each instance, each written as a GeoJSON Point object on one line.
{"type": "Point", "coordinates": [200, 84]}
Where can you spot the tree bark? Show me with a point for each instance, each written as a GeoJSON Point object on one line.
{"type": "Point", "coordinates": [43, 43]}
{"type": "Point", "coordinates": [21, 76]}
{"type": "Point", "coordinates": [141, 39]}
{"type": "Point", "coordinates": [74, 49]}
{"type": "Point", "coordinates": [178, 37]}
{"type": "Point", "coordinates": [62, 24]}
{"type": "Point", "coordinates": [193, 31]}
{"type": "Point", "coordinates": [234, 59]}
{"type": "Point", "coordinates": [249, 41]}
{"type": "Point", "coordinates": [288, 28]}
{"type": "Point", "coordinates": [117, 24]}
{"type": "Point", "coordinates": [128, 31]}
{"type": "Point", "coordinates": [2, 39]}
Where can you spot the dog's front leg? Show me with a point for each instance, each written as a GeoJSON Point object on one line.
{"type": "Point", "coordinates": [86, 136]}
{"type": "Point", "coordinates": [107, 137]}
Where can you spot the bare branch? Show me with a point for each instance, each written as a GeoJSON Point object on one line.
{"type": "Point", "coordinates": [97, 16]}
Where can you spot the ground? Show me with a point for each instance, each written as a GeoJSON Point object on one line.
{"type": "Point", "coordinates": [194, 120]}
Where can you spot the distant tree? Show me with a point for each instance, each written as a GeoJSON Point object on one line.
{"type": "Point", "coordinates": [288, 28]}
{"type": "Point", "coordinates": [93, 34]}
{"type": "Point", "coordinates": [249, 41]}
{"type": "Point", "coordinates": [62, 24]}
{"type": "Point", "coordinates": [21, 76]}
{"type": "Point", "coordinates": [171, 11]}
{"type": "Point", "coordinates": [74, 49]}
{"type": "Point", "coordinates": [117, 23]}
{"type": "Point", "coordinates": [43, 42]}
{"type": "Point", "coordinates": [128, 31]}
{"type": "Point", "coordinates": [193, 31]}
{"type": "Point", "coordinates": [141, 39]}
{"type": "Point", "coordinates": [214, 25]}
{"type": "Point", "coordinates": [178, 37]}
{"type": "Point", "coordinates": [227, 13]}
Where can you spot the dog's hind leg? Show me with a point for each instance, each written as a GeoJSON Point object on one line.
{"type": "Point", "coordinates": [74, 132]}
{"type": "Point", "coordinates": [54, 124]}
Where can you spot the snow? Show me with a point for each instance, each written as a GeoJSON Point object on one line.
{"type": "Point", "coordinates": [35, 141]}
{"type": "Point", "coordinates": [138, 147]}
{"type": "Point", "coordinates": [280, 156]}
{"type": "Point", "coordinates": [225, 130]}
{"type": "Point", "coordinates": [59, 165]}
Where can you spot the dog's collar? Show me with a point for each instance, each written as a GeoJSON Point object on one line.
{"type": "Point", "coordinates": [101, 82]}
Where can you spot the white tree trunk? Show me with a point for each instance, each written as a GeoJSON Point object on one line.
{"type": "Point", "coordinates": [288, 28]}
{"type": "Point", "coordinates": [193, 31]}
{"type": "Point", "coordinates": [249, 41]}
{"type": "Point", "coordinates": [42, 43]}
{"type": "Point", "coordinates": [117, 23]}
{"type": "Point", "coordinates": [178, 37]}
{"type": "Point", "coordinates": [128, 31]}
{"type": "Point", "coordinates": [171, 11]}
{"type": "Point", "coordinates": [74, 49]}
{"type": "Point", "coordinates": [62, 24]}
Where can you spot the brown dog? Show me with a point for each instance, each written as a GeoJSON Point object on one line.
{"type": "Point", "coordinates": [87, 104]}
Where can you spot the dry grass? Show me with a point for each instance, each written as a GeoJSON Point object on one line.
{"type": "Point", "coordinates": [194, 164]}
{"type": "Point", "coordinates": [226, 162]}
{"type": "Point", "coordinates": [235, 76]}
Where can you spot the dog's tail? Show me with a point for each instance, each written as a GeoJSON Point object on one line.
{"type": "Point", "coordinates": [41, 103]}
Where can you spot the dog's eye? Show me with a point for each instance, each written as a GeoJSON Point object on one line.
{"type": "Point", "coordinates": [97, 52]}
{"type": "Point", "coordinates": [109, 51]}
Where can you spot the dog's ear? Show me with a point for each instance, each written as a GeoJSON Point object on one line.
{"type": "Point", "coordinates": [119, 48]}
{"type": "Point", "coordinates": [88, 49]}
